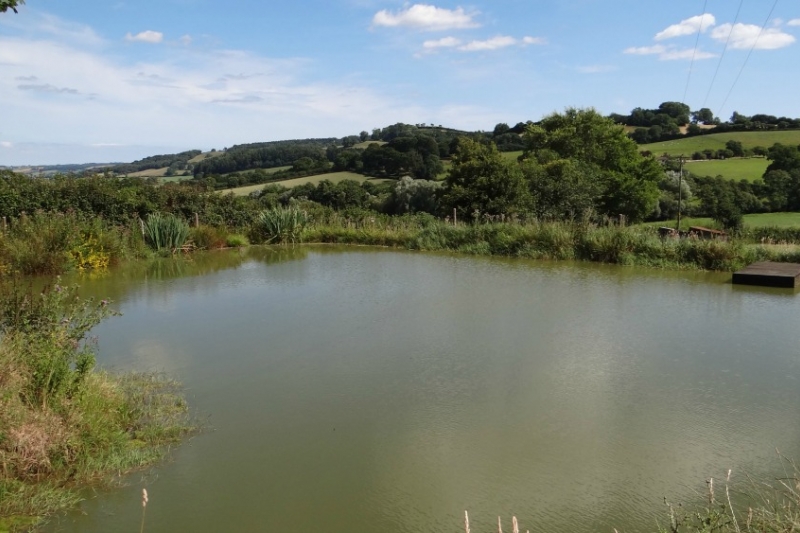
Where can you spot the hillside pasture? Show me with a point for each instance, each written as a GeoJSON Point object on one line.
{"type": "Point", "coordinates": [206, 155]}
{"type": "Point", "coordinates": [736, 169]}
{"type": "Point", "coordinates": [716, 141]}
{"type": "Point", "coordinates": [149, 173]}
{"type": "Point", "coordinates": [334, 177]}
{"type": "Point", "coordinates": [754, 220]}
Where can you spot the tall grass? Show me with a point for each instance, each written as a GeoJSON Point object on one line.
{"type": "Point", "coordinates": [636, 245]}
{"type": "Point", "coordinates": [165, 233]}
{"type": "Point", "coordinates": [756, 506]}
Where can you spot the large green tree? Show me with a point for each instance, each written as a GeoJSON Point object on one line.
{"type": "Point", "coordinates": [481, 181]}
{"type": "Point", "coordinates": [626, 180]}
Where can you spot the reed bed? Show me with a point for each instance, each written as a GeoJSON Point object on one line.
{"type": "Point", "coordinates": [637, 245]}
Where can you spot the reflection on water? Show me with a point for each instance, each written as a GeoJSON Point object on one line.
{"type": "Point", "coordinates": [373, 390]}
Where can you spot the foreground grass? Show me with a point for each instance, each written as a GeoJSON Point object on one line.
{"type": "Point", "coordinates": [64, 425]}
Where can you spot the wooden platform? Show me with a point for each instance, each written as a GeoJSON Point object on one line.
{"type": "Point", "coordinates": [769, 274]}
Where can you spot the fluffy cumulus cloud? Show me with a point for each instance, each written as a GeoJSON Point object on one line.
{"type": "Point", "coordinates": [147, 36]}
{"type": "Point", "coordinates": [794, 22]}
{"type": "Point", "coordinates": [690, 26]}
{"type": "Point", "coordinates": [426, 17]}
{"type": "Point", "coordinates": [669, 53]}
{"type": "Point", "coordinates": [746, 36]}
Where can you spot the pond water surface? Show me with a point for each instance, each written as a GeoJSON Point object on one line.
{"type": "Point", "coordinates": [360, 390]}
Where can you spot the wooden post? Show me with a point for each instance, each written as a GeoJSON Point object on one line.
{"type": "Point", "coordinates": [196, 220]}
{"type": "Point", "coordinates": [4, 224]}
{"type": "Point", "coordinates": [455, 220]}
{"type": "Point", "coordinates": [141, 225]}
{"type": "Point", "coordinates": [680, 194]}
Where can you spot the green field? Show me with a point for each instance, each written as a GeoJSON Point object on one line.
{"type": "Point", "coordinates": [736, 169]}
{"type": "Point", "coordinates": [755, 220]}
{"type": "Point", "coordinates": [716, 141]}
{"type": "Point", "coordinates": [335, 177]}
{"type": "Point", "coordinates": [271, 170]}
{"type": "Point", "coordinates": [511, 156]}
{"type": "Point", "coordinates": [206, 155]}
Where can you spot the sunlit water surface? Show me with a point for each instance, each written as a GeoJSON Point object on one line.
{"type": "Point", "coordinates": [358, 390]}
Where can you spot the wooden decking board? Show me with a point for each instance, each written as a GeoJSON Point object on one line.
{"type": "Point", "coordinates": [769, 274]}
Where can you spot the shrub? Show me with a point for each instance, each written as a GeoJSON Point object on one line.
{"type": "Point", "coordinates": [235, 240]}
{"type": "Point", "coordinates": [207, 237]}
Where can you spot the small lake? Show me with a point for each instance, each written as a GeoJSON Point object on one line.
{"type": "Point", "coordinates": [357, 390]}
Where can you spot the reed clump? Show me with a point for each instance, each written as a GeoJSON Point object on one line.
{"type": "Point", "coordinates": [279, 225]}
{"type": "Point", "coordinates": [165, 233]}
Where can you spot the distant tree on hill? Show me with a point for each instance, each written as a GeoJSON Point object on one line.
{"type": "Point", "coordinates": [703, 116]}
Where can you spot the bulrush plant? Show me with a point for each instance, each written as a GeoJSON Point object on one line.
{"type": "Point", "coordinates": [279, 225]}
{"type": "Point", "coordinates": [63, 423]}
{"type": "Point", "coordinates": [165, 233]}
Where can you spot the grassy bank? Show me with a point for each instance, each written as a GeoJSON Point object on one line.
{"type": "Point", "coordinates": [558, 241]}
{"type": "Point", "coordinates": [63, 424]}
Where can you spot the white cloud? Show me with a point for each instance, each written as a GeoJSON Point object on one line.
{"type": "Point", "coordinates": [793, 22]}
{"type": "Point", "coordinates": [44, 23]}
{"type": "Point", "coordinates": [426, 17]}
{"type": "Point", "coordinates": [534, 40]}
{"type": "Point", "coordinates": [746, 36]}
{"type": "Point", "coordinates": [645, 50]}
{"type": "Point", "coordinates": [669, 53]}
{"type": "Point", "coordinates": [6, 144]}
{"type": "Point", "coordinates": [147, 36]}
{"type": "Point", "coordinates": [186, 40]}
{"type": "Point", "coordinates": [688, 54]}
{"type": "Point", "coordinates": [444, 42]}
{"type": "Point", "coordinates": [496, 43]}
{"type": "Point", "coordinates": [688, 26]}
{"type": "Point", "coordinates": [222, 96]}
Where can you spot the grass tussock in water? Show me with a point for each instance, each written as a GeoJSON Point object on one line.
{"type": "Point", "coordinates": [63, 424]}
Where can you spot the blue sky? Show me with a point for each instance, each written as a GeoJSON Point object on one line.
{"type": "Point", "coordinates": [86, 80]}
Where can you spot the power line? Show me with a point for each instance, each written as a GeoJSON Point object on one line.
{"type": "Point", "coordinates": [748, 57]}
{"type": "Point", "coordinates": [725, 49]}
{"type": "Point", "coordinates": [694, 52]}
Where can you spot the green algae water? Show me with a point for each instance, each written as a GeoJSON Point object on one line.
{"type": "Point", "coordinates": [359, 390]}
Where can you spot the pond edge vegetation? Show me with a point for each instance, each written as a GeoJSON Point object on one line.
{"type": "Point", "coordinates": [64, 425]}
